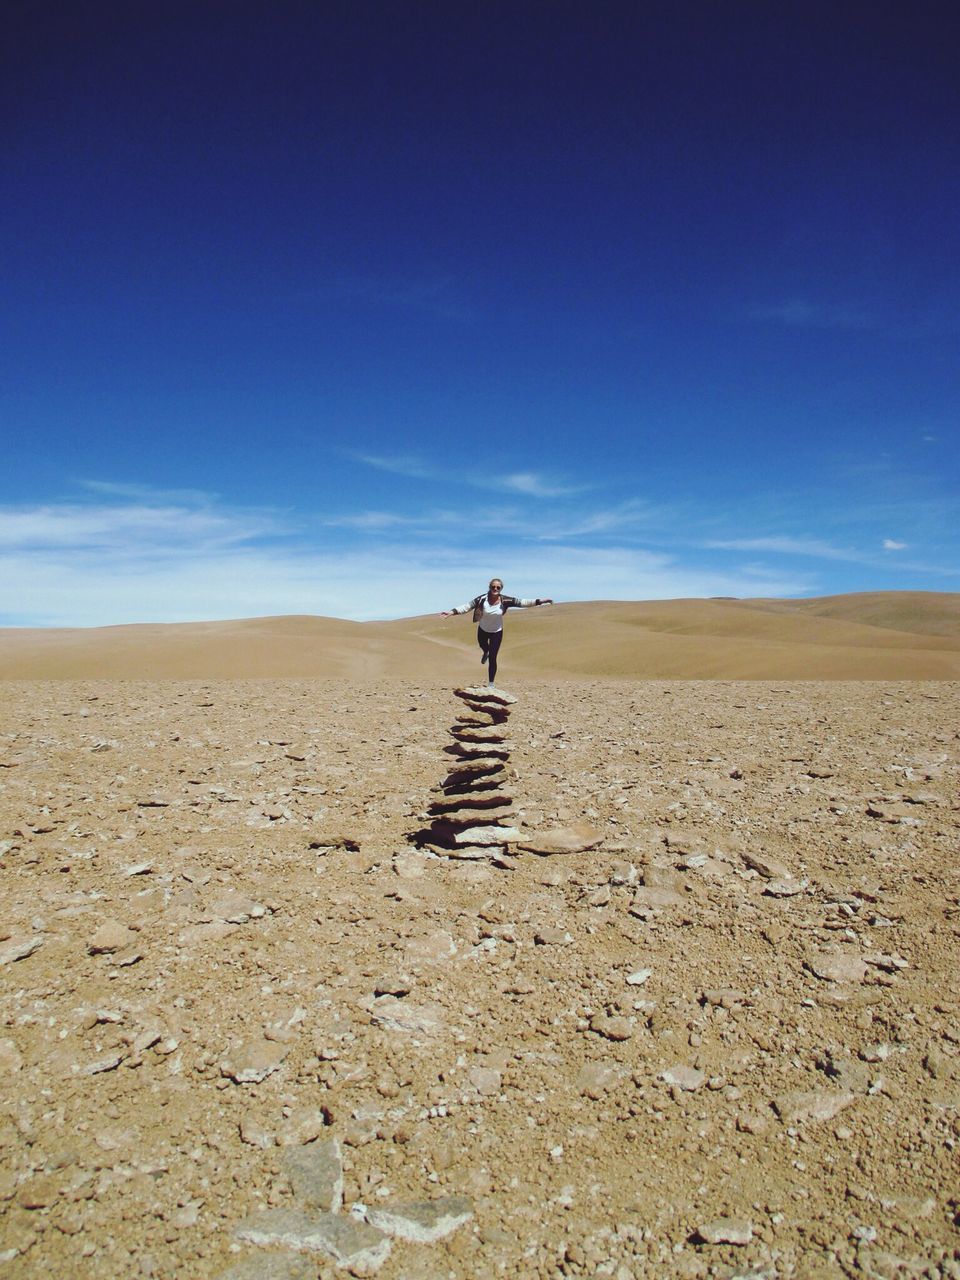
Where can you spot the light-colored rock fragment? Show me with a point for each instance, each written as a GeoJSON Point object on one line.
{"type": "Point", "coordinates": [488, 835]}
{"type": "Point", "coordinates": [254, 1134]}
{"type": "Point", "coordinates": [481, 694]}
{"type": "Point", "coordinates": [784, 888]}
{"type": "Point", "coordinates": [596, 1078]}
{"type": "Point", "coordinates": [611, 1028]}
{"type": "Point", "coordinates": [19, 948]}
{"type": "Point", "coordinates": [351, 1243]}
{"type": "Point", "coordinates": [400, 1015]}
{"type": "Point", "coordinates": [251, 1061]}
{"type": "Point", "coordinates": [304, 1124]}
{"type": "Point", "coordinates": [649, 897]}
{"type": "Point", "coordinates": [638, 977]}
{"type": "Point", "coordinates": [11, 1059]}
{"type": "Point", "coordinates": [486, 1081]}
{"type": "Point", "coordinates": [577, 837]}
{"type": "Point", "coordinates": [315, 1173]}
{"type": "Point", "coordinates": [429, 948]}
{"type": "Point", "coordinates": [684, 1077]}
{"type": "Point", "coordinates": [552, 936]}
{"type": "Point", "coordinates": [810, 1106]}
{"type": "Point", "coordinates": [235, 908]}
{"type": "Point", "coordinates": [837, 966]}
{"type": "Point", "coordinates": [726, 1231]}
{"type": "Point", "coordinates": [769, 868]}
{"type": "Point", "coordinates": [424, 1221]}
{"type": "Point", "coordinates": [111, 936]}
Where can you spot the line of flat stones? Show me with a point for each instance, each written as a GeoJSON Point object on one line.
{"type": "Point", "coordinates": [472, 809]}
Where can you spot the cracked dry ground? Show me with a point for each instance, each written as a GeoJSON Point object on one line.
{"type": "Point", "coordinates": [740, 1022]}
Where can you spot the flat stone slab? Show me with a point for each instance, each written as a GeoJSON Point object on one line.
{"type": "Point", "coordinates": [348, 1241]}
{"type": "Point", "coordinates": [19, 948]}
{"type": "Point", "coordinates": [315, 1173]}
{"type": "Point", "coordinates": [487, 835]}
{"type": "Point", "coordinates": [422, 1221]}
{"type": "Point", "coordinates": [478, 750]}
{"type": "Point", "coordinates": [480, 693]}
{"type": "Point", "coordinates": [453, 820]}
{"type": "Point", "coordinates": [474, 768]}
{"type": "Point", "coordinates": [472, 800]}
{"type": "Point", "coordinates": [578, 837]}
{"type": "Point", "coordinates": [470, 733]}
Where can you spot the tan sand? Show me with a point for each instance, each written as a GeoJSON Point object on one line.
{"type": "Point", "coordinates": [878, 636]}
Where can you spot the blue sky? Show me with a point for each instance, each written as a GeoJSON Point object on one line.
{"type": "Point", "coordinates": [341, 308]}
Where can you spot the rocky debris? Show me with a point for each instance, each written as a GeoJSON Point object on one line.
{"type": "Point", "coordinates": [576, 837]}
{"type": "Point", "coordinates": [271, 1266]}
{"type": "Point", "coordinates": [478, 1073]}
{"type": "Point", "coordinates": [725, 1231]}
{"type": "Point", "coordinates": [315, 1173]}
{"type": "Point", "coordinates": [423, 1221]}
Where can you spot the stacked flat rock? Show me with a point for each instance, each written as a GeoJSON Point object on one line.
{"type": "Point", "coordinates": [472, 808]}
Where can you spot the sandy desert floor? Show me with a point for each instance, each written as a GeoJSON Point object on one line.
{"type": "Point", "coordinates": [723, 1042]}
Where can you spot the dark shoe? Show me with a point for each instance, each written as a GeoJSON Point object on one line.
{"type": "Point", "coordinates": [483, 658]}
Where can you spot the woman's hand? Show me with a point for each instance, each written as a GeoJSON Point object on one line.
{"type": "Point", "coordinates": [545, 602]}
{"type": "Point", "coordinates": [446, 614]}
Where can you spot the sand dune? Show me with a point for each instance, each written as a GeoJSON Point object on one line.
{"type": "Point", "coordinates": [877, 635]}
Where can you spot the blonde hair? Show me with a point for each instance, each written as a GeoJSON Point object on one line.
{"type": "Point", "coordinates": [493, 580]}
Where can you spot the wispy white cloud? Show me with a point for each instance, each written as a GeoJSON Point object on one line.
{"type": "Point", "coordinates": [528, 484]}
{"type": "Point", "coordinates": [134, 527]}
{"type": "Point", "coordinates": [890, 544]}
{"type": "Point", "coordinates": [814, 547]}
{"type": "Point", "coordinates": [370, 521]}
{"type": "Point", "coordinates": [536, 486]}
{"type": "Point", "coordinates": [398, 465]}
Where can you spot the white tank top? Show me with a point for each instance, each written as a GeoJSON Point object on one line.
{"type": "Point", "coordinates": [492, 619]}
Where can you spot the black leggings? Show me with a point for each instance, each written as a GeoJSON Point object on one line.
{"type": "Point", "coordinates": [489, 642]}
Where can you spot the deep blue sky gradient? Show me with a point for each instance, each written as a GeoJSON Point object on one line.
{"type": "Point", "coordinates": [646, 299]}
